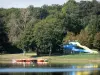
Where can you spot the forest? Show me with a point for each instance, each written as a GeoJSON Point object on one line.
{"type": "Point", "coordinates": [47, 28]}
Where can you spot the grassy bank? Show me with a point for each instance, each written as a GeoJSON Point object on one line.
{"type": "Point", "coordinates": [7, 58]}
{"type": "Point", "coordinates": [79, 58]}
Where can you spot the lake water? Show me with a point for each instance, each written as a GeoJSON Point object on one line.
{"type": "Point", "coordinates": [50, 69]}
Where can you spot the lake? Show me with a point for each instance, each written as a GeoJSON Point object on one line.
{"type": "Point", "coordinates": [50, 69]}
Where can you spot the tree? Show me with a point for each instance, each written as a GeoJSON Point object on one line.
{"type": "Point", "coordinates": [83, 38]}
{"type": "Point", "coordinates": [42, 13]}
{"type": "Point", "coordinates": [45, 27]}
{"type": "Point", "coordinates": [69, 37]}
{"type": "Point", "coordinates": [48, 34]}
{"type": "Point", "coordinates": [73, 23]}
{"type": "Point", "coordinates": [26, 42]}
{"type": "Point", "coordinates": [13, 28]}
{"type": "Point", "coordinates": [96, 42]}
{"type": "Point", "coordinates": [70, 7]}
{"type": "Point", "coordinates": [53, 9]}
{"type": "Point", "coordinates": [72, 20]}
{"type": "Point", "coordinates": [96, 7]}
{"type": "Point", "coordinates": [18, 27]}
{"type": "Point", "coordinates": [93, 27]}
{"type": "Point", "coordinates": [3, 35]}
{"type": "Point", "coordinates": [17, 24]}
{"type": "Point", "coordinates": [85, 8]}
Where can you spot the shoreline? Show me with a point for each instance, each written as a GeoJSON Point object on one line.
{"type": "Point", "coordinates": [67, 61]}
{"type": "Point", "coordinates": [76, 61]}
{"type": "Point", "coordinates": [7, 58]}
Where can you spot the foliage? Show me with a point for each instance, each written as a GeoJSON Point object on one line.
{"type": "Point", "coordinates": [26, 42]}
{"type": "Point", "coordinates": [69, 37]}
{"type": "Point", "coordinates": [70, 7]}
{"type": "Point", "coordinates": [3, 35]}
{"type": "Point", "coordinates": [83, 38]}
{"type": "Point", "coordinates": [44, 28]}
{"type": "Point", "coordinates": [72, 20]}
{"type": "Point", "coordinates": [48, 33]}
{"type": "Point", "coordinates": [96, 41]}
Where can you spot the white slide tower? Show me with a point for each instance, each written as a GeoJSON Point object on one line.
{"type": "Point", "coordinates": [88, 50]}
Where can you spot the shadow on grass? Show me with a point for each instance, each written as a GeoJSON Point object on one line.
{"type": "Point", "coordinates": [43, 55]}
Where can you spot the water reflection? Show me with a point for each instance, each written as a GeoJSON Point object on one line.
{"type": "Point", "coordinates": [32, 74]}
{"type": "Point", "coordinates": [54, 73]}
{"type": "Point", "coordinates": [51, 69]}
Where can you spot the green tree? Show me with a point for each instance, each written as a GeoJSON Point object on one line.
{"type": "Point", "coordinates": [26, 42]}
{"type": "Point", "coordinates": [96, 42]}
{"type": "Point", "coordinates": [70, 7]}
{"type": "Point", "coordinates": [72, 20]}
{"type": "Point", "coordinates": [96, 7]}
{"type": "Point", "coordinates": [92, 28]}
{"type": "Point", "coordinates": [48, 34]}
{"type": "Point", "coordinates": [17, 24]}
{"type": "Point", "coordinates": [13, 29]}
{"type": "Point", "coordinates": [85, 8]}
{"type": "Point", "coordinates": [69, 37]}
{"type": "Point", "coordinates": [83, 38]}
{"type": "Point", "coordinates": [3, 35]}
{"type": "Point", "coordinates": [73, 23]}
{"type": "Point", "coordinates": [42, 13]}
{"type": "Point", "coordinates": [53, 9]}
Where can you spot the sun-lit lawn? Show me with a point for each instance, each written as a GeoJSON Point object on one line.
{"type": "Point", "coordinates": [81, 56]}
{"type": "Point", "coordinates": [9, 57]}
{"type": "Point", "coordinates": [76, 58]}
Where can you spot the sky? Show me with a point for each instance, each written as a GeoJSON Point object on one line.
{"type": "Point", "coordinates": [26, 3]}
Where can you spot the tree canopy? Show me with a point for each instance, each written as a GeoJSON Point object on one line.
{"type": "Point", "coordinates": [44, 29]}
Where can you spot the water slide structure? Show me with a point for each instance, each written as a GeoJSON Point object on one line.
{"type": "Point", "coordinates": [76, 47]}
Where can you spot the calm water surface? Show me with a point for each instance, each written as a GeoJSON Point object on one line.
{"type": "Point", "coordinates": [50, 69]}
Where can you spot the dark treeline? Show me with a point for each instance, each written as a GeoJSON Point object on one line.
{"type": "Point", "coordinates": [44, 29]}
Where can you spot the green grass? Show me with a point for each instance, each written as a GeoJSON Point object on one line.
{"type": "Point", "coordinates": [81, 56]}
{"type": "Point", "coordinates": [7, 58]}
{"type": "Point", "coordinates": [77, 58]}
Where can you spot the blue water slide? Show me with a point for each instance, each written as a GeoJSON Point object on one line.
{"type": "Point", "coordinates": [72, 47]}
